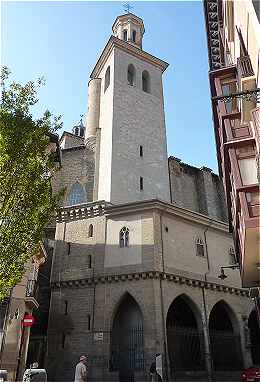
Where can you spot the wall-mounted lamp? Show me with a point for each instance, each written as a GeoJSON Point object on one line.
{"type": "Point", "coordinates": [222, 275]}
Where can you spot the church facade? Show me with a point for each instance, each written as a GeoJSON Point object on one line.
{"type": "Point", "coordinates": [140, 239]}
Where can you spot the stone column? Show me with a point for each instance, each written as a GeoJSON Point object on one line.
{"type": "Point", "coordinates": [245, 341]}
{"type": "Point", "coordinates": [205, 329]}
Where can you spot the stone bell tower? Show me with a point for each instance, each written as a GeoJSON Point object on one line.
{"type": "Point", "coordinates": [126, 118]}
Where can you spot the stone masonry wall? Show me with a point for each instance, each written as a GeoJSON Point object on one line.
{"type": "Point", "coordinates": [197, 189]}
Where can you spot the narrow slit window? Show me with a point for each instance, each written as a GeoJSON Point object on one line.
{"type": "Point", "coordinates": [63, 340]}
{"type": "Point", "coordinates": [89, 261]}
{"type": "Point", "coordinates": [107, 78]}
{"type": "Point", "coordinates": [88, 322]}
{"type": "Point", "coordinates": [141, 183]}
{"type": "Point", "coordinates": [141, 151]}
{"type": "Point", "coordinates": [134, 36]}
{"type": "Point", "coordinates": [90, 230]}
{"type": "Point", "coordinates": [125, 35]}
{"type": "Point", "coordinates": [69, 249]}
{"type": "Point", "coordinates": [66, 307]}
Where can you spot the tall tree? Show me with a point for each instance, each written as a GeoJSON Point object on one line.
{"type": "Point", "coordinates": [27, 165]}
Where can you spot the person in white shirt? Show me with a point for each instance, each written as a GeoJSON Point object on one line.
{"type": "Point", "coordinates": [81, 371]}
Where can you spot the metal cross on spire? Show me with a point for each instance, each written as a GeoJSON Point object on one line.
{"type": "Point", "coordinates": [127, 7]}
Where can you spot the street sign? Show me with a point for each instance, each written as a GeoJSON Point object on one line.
{"type": "Point", "coordinates": [28, 320]}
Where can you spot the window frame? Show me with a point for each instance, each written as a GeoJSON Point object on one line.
{"type": "Point", "coordinates": [124, 237]}
{"type": "Point", "coordinates": [90, 230]}
{"type": "Point", "coordinates": [75, 194]}
{"type": "Point", "coordinates": [232, 256]}
{"type": "Point", "coordinates": [107, 79]}
{"type": "Point", "coordinates": [146, 80]}
{"type": "Point", "coordinates": [132, 72]}
{"type": "Point", "coordinates": [199, 243]}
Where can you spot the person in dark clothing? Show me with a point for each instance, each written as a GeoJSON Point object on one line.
{"type": "Point", "coordinates": [153, 372]}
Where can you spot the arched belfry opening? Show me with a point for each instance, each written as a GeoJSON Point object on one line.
{"type": "Point", "coordinates": [184, 336]}
{"type": "Point", "coordinates": [224, 338]}
{"type": "Point", "coordinates": [127, 340]}
{"type": "Point", "coordinates": [254, 331]}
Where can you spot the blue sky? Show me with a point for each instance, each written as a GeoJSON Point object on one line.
{"type": "Point", "coordinates": [62, 41]}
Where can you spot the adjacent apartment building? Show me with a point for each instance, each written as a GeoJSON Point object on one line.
{"type": "Point", "coordinates": [233, 35]}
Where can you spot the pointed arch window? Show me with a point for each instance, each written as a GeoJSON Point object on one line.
{"type": "Point", "coordinates": [131, 75]}
{"type": "Point", "coordinates": [200, 247]}
{"type": "Point", "coordinates": [125, 35]}
{"type": "Point", "coordinates": [90, 230]}
{"type": "Point", "coordinates": [146, 81]}
{"type": "Point", "coordinates": [77, 195]}
{"type": "Point", "coordinates": [107, 78]}
{"type": "Point", "coordinates": [124, 237]}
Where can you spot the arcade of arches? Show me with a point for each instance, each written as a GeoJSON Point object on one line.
{"type": "Point", "coordinates": [185, 338]}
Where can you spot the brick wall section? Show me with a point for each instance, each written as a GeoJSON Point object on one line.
{"type": "Point", "coordinates": [197, 189]}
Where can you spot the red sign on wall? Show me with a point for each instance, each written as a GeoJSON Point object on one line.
{"type": "Point", "coordinates": [28, 320]}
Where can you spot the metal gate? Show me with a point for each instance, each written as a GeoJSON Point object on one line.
{"type": "Point", "coordinates": [225, 350]}
{"type": "Point", "coordinates": [185, 349]}
{"type": "Point", "coordinates": [127, 350]}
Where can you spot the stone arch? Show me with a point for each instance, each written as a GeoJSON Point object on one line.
{"type": "Point", "coordinates": [224, 338]}
{"type": "Point", "coordinates": [184, 336]}
{"type": "Point", "coordinates": [76, 195]}
{"type": "Point", "coordinates": [230, 312]}
{"type": "Point", "coordinates": [127, 339]}
{"type": "Point", "coordinates": [254, 334]}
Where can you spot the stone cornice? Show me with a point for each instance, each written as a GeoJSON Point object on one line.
{"type": "Point", "coordinates": [81, 211]}
{"type": "Point", "coordinates": [128, 48]}
{"type": "Point", "coordinates": [168, 208]}
{"type": "Point", "coordinates": [98, 208]}
{"type": "Point", "coordinates": [107, 279]}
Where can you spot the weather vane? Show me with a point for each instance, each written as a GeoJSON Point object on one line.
{"type": "Point", "coordinates": [127, 7]}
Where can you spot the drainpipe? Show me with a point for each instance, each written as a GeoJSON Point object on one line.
{"type": "Point", "coordinates": [162, 306]}
{"type": "Point", "coordinates": [205, 314]}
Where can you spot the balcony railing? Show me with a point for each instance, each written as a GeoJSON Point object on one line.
{"type": "Point", "coordinates": [32, 289]}
{"type": "Point", "coordinates": [244, 66]}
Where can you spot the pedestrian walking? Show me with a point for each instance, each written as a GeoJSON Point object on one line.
{"type": "Point", "coordinates": [81, 371]}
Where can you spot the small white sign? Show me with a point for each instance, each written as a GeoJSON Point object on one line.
{"type": "Point", "coordinates": [158, 362]}
{"type": "Point", "coordinates": [98, 336]}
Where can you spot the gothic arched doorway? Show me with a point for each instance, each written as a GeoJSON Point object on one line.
{"type": "Point", "coordinates": [224, 338]}
{"type": "Point", "coordinates": [184, 337]}
{"type": "Point", "coordinates": [254, 337]}
{"type": "Point", "coordinates": [127, 341]}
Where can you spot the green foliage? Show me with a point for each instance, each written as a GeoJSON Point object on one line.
{"type": "Point", "coordinates": [26, 167]}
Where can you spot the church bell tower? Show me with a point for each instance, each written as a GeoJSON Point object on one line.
{"type": "Point", "coordinates": [126, 118]}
